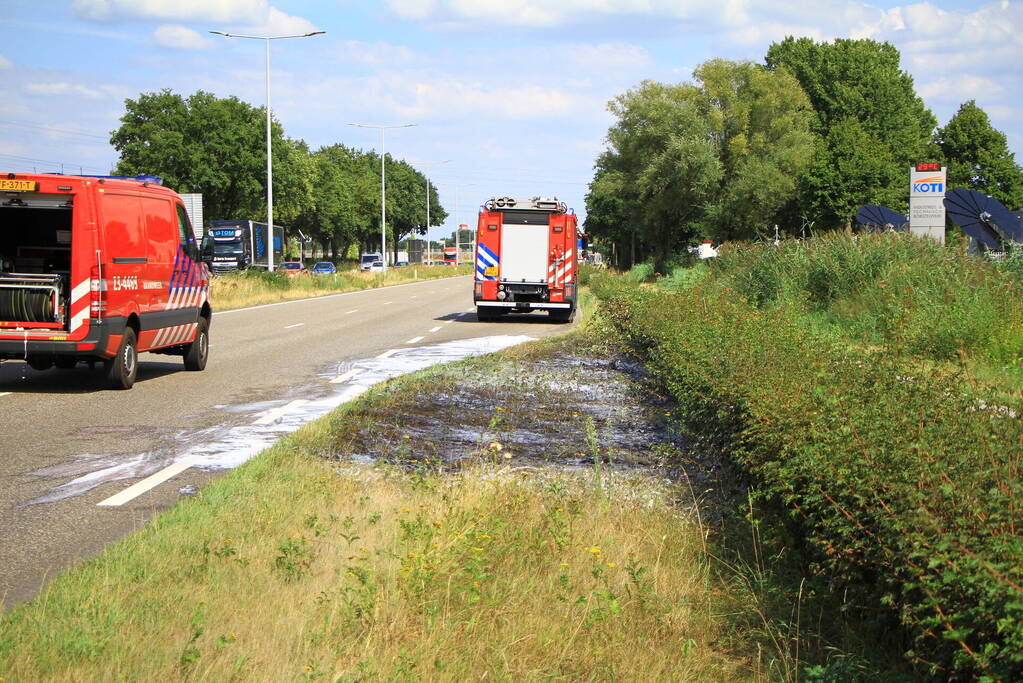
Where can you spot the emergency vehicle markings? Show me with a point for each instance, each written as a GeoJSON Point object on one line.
{"type": "Point", "coordinates": [288, 327]}
{"type": "Point", "coordinates": [150, 482]}
{"type": "Point", "coordinates": [414, 340]}
{"type": "Point", "coordinates": [278, 413]}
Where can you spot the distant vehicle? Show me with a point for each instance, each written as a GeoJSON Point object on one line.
{"type": "Point", "coordinates": [450, 255]}
{"type": "Point", "coordinates": [368, 259]}
{"type": "Point", "coordinates": [402, 259]}
{"type": "Point", "coordinates": [238, 245]}
{"type": "Point", "coordinates": [323, 268]}
{"type": "Point", "coordinates": [527, 258]}
{"type": "Point", "coordinates": [292, 269]}
{"type": "Point", "coordinates": [376, 267]}
{"type": "Point", "coordinates": [99, 269]}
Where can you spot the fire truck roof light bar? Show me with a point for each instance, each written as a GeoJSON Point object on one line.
{"type": "Point", "coordinates": [548, 204]}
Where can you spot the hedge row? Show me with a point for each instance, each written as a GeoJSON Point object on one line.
{"type": "Point", "coordinates": [906, 485]}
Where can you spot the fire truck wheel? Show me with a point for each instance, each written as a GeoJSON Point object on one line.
{"type": "Point", "coordinates": [65, 362]}
{"type": "Point", "coordinates": [198, 351]}
{"type": "Point", "coordinates": [122, 368]}
{"type": "Point", "coordinates": [40, 362]}
{"type": "Point", "coordinates": [561, 315]}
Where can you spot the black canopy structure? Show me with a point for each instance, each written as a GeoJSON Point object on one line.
{"type": "Point", "coordinates": [983, 218]}
{"type": "Point", "coordinates": [876, 217]}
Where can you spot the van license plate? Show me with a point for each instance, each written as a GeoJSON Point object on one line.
{"type": "Point", "coordinates": [17, 185]}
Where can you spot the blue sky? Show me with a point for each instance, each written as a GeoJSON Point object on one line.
{"type": "Point", "coordinates": [513, 92]}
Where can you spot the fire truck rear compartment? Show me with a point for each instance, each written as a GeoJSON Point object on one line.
{"type": "Point", "coordinates": [35, 257]}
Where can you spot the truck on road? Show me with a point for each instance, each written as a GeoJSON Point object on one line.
{"type": "Point", "coordinates": [526, 258]}
{"type": "Point", "coordinates": [99, 269]}
{"type": "Point", "coordinates": [240, 244]}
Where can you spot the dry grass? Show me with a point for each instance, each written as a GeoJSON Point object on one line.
{"type": "Point", "coordinates": [294, 567]}
{"type": "Point", "coordinates": [238, 290]}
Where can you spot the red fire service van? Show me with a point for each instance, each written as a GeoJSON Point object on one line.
{"type": "Point", "coordinates": [98, 269]}
{"type": "Point", "coordinates": [526, 258]}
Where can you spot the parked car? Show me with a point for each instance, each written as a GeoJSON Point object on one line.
{"type": "Point", "coordinates": [323, 268]}
{"type": "Point", "coordinates": [376, 266]}
{"type": "Point", "coordinates": [292, 268]}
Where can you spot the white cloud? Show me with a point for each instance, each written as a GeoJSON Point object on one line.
{"type": "Point", "coordinates": [62, 88]}
{"type": "Point", "coordinates": [180, 37]}
{"type": "Point", "coordinates": [256, 16]}
{"type": "Point", "coordinates": [609, 56]}
{"type": "Point", "coordinates": [959, 89]}
{"type": "Point", "coordinates": [5, 63]}
{"type": "Point", "coordinates": [375, 54]}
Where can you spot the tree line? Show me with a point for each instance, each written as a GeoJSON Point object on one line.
{"type": "Point", "coordinates": [217, 146]}
{"type": "Point", "coordinates": [800, 141]}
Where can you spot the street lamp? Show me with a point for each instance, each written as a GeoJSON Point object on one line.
{"type": "Point", "coordinates": [430, 163]}
{"type": "Point", "coordinates": [383, 192]}
{"type": "Point", "coordinates": [458, 226]}
{"type": "Point", "coordinates": [269, 148]}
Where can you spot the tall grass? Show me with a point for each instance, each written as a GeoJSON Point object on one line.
{"type": "Point", "coordinates": [256, 287]}
{"type": "Point", "coordinates": [912, 296]}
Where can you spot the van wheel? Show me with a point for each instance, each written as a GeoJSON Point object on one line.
{"type": "Point", "coordinates": [65, 362]}
{"type": "Point", "coordinates": [40, 362]}
{"type": "Point", "coordinates": [122, 368]}
{"type": "Point", "coordinates": [198, 351]}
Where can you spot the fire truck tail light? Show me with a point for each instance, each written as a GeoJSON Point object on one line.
{"type": "Point", "coordinates": [479, 289]}
{"type": "Point", "coordinates": [502, 295]}
{"type": "Point", "coordinates": [491, 227]}
{"type": "Point", "coordinates": [558, 228]}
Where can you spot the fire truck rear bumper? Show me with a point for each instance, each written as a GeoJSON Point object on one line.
{"type": "Point", "coordinates": [15, 344]}
{"type": "Point", "coordinates": [521, 304]}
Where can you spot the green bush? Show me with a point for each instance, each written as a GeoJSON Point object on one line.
{"type": "Point", "coordinates": [904, 486]}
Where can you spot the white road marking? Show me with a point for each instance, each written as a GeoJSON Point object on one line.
{"type": "Point", "coordinates": [448, 322]}
{"type": "Point", "coordinates": [275, 414]}
{"type": "Point", "coordinates": [346, 376]}
{"type": "Point", "coordinates": [388, 353]}
{"type": "Point", "coordinates": [5, 393]}
{"type": "Point", "coordinates": [387, 303]}
{"type": "Point", "coordinates": [356, 310]}
{"type": "Point", "coordinates": [434, 329]}
{"type": "Point", "coordinates": [414, 340]}
{"type": "Point", "coordinates": [150, 482]}
{"type": "Point", "coordinates": [413, 296]}
{"type": "Point", "coordinates": [288, 327]}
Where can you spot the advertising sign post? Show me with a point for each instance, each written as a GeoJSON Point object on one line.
{"type": "Point", "coordinates": [926, 200]}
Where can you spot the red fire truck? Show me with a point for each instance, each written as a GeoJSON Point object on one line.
{"type": "Point", "coordinates": [99, 269]}
{"type": "Point", "coordinates": [526, 258]}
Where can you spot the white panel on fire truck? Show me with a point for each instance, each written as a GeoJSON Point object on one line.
{"type": "Point", "coordinates": [524, 253]}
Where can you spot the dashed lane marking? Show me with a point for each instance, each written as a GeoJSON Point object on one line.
{"type": "Point", "coordinates": [150, 482]}
{"type": "Point", "coordinates": [414, 340]}
{"type": "Point", "coordinates": [5, 393]}
{"type": "Point", "coordinates": [448, 322]}
{"type": "Point", "coordinates": [388, 353]}
{"type": "Point", "coordinates": [434, 329]}
{"type": "Point", "coordinates": [388, 303]}
{"type": "Point", "coordinates": [288, 327]}
{"type": "Point", "coordinates": [340, 379]}
{"type": "Point", "coordinates": [275, 414]}
{"type": "Point", "coordinates": [356, 310]}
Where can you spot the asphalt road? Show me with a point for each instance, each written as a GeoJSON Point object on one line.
{"type": "Point", "coordinates": [61, 426]}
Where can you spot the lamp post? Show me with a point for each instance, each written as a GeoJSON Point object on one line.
{"type": "Point", "coordinates": [458, 226]}
{"type": "Point", "coordinates": [269, 148]}
{"type": "Point", "coordinates": [430, 163]}
{"type": "Point", "coordinates": [383, 185]}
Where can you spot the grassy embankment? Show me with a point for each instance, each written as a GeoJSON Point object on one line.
{"type": "Point", "coordinates": [841, 377]}
{"type": "Point", "coordinates": [254, 288]}
{"type": "Point", "coordinates": [300, 565]}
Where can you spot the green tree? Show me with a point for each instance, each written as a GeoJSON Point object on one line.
{"type": "Point", "coordinates": [860, 97]}
{"type": "Point", "coordinates": [978, 156]}
{"type": "Point", "coordinates": [216, 146]}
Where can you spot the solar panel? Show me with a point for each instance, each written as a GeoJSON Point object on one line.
{"type": "Point", "coordinates": [983, 218]}
{"type": "Point", "coordinates": [876, 217]}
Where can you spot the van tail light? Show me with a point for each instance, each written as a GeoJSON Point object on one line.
{"type": "Point", "coordinates": [97, 293]}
